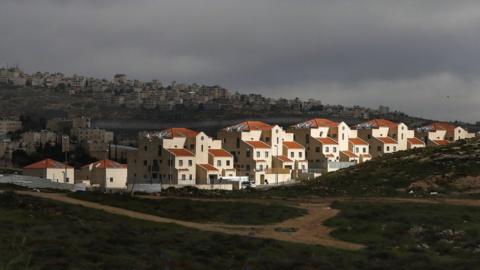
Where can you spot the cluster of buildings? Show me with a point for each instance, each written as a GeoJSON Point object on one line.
{"type": "Point", "coordinates": [251, 151]}
{"type": "Point", "coordinates": [120, 91]}
{"type": "Point", "coordinates": [62, 132]}
{"type": "Point", "coordinates": [266, 154]}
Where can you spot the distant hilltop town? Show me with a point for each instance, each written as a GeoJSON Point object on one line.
{"type": "Point", "coordinates": [81, 95]}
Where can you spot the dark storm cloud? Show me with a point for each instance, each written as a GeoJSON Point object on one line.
{"type": "Point", "coordinates": [353, 52]}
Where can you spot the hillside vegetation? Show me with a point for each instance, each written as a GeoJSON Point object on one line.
{"type": "Point", "coordinates": [450, 169]}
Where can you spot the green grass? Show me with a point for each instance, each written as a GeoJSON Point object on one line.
{"type": "Point", "coordinates": [421, 236]}
{"type": "Point", "coordinates": [231, 212]}
{"type": "Point", "coordinates": [41, 234]}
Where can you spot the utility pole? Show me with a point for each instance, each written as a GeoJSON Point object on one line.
{"type": "Point", "coordinates": [65, 149]}
{"type": "Point", "coordinates": [105, 165]}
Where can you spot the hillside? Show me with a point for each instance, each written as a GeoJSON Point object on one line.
{"type": "Point", "coordinates": [452, 169]}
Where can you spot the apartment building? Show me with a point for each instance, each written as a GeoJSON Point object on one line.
{"type": "Point", "coordinates": [324, 141]}
{"type": "Point", "coordinates": [439, 133]}
{"type": "Point", "coordinates": [52, 170]}
{"type": "Point", "coordinates": [179, 156]}
{"type": "Point", "coordinates": [262, 151]}
{"type": "Point", "coordinates": [31, 140]}
{"type": "Point", "coordinates": [105, 174]}
{"type": "Point", "coordinates": [9, 125]}
{"type": "Point", "coordinates": [385, 136]}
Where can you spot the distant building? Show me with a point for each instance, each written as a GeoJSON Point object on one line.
{"type": "Point", "coordinates": [105, 174]}
{"type": "Point", "coordinates": [9, 125]}
{"type": "Point", "coordinates": [52, 170]}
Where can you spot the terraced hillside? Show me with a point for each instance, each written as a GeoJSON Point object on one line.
{"type": "Point", "coordinates": [452, 169]}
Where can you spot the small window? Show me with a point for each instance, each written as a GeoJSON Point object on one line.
{"type": "Point", "coordinates": [317, 149]}
{"type": "Point", "coordinates": [258, 154]}
{"type": "Point", "coordinates": [201, 148]}
{"type": "Point", "coordinates": [190, 163]}
{"type": "Point", "coordinates": [219, 163]}
{"type": "Point", "coordinates": [327, 149]}
{"type": "Point", "coordinates": [266, 154]}
{"type": "Point", "coordinates": [111, 179]}
{"type": "Point", "coordinates": [67, 180]}
{"type": "Point", "coordinates": [184, 177]}
{"type": "Point", "coordinates": [300, 154]}
{"type": "Point", "coordinates": [388, 148]}
{"type": "Point", "coordinates": [228, 162]}
{"type": "Point", "coordinates": [145, 148]}
{"type": "Point", "coordinates": [180, 163]}
{"type": "Point", "coordinates": [292, 154]}
{"type": "Point", "coordinates": [190, 176]}
{"type": "Point", "coordinates": [334, 149]}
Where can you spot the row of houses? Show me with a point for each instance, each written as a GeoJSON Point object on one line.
{"type": "Point", "coordinates": [258, 152]}
{"type": "Point", "coordinates": [268, 154]}
{"type": "Point", "coordinates": [103, 174]}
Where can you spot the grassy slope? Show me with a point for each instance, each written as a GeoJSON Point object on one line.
{"type": "Point", "coordinates": [198, 211]}
{"type": "Point", "coordinates": [420, 236]}
{"type": "Point", "coordinates": [38, 234]}
{"type": "Point", "coordinates": [392, 174]}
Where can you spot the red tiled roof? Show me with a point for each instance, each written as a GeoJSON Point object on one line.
{"type": "Point", "coordinates": [376, 123]}
{"type": "Point", "coordinates": [249, 125]}
{"type": "Point", "coordinates": [350, 154]}
{"type": "Point", "coordinates": [47, 164]}
{"type": "Point", "coordinates": [219, 153]}
{"type": "Point", "coordinates": [315, 123]}
{"type": "Point", "coordinates": [326, 140]}
{"type": "Point", "coordinates": [106, 163]}
{"type": "Point", "coordinates": [178, 132]}
{"type": "Point", "coordinates": [440, 142]}
{"type": "Point", "coordinates": [415, 141]}
{"type": "Point", "coordinates": [208, 167]}
{"type": "Point", "coordinates": [257, 144]}
{"type": "Point", "coordinates": [329, 155]}
{"type": "Point", "coordinates": [180, 152]}
{"type": "Point", "coordinates": [440, 126]}
{"type": "Point", "coordinates": [386, 140]}
{"type": "Point", "coordinates": [293, 145]}
{"type": "Point", "coordinates": [284, 158]}
{"type": "Point", "coordinates": [357, 141]}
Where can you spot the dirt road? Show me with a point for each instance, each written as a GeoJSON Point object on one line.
{"type": "Point", "coordinates": [308, 229]}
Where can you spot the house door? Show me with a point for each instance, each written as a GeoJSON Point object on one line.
{"type": "Point", "coordinates": [262, 179]}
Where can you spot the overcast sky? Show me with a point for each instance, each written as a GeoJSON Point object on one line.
{"type": "Point", "coordinates": [418, 56]}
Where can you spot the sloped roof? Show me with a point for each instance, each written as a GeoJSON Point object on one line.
{"type": "Point", "coordinates": [284, 158]}
{"type": "Point", "coordinates": [440, 142]}
{"type": "Point", "coordinates": [376, 123]}
{"type": "Point", "coordinates": [219, 153]}
{"type": "Point", "coordinates": [326, 140]}
{"type": "Point", "coordinates": [357, 141]}
{"type": "Point", "coordinates": [180, 152]}
{"type": "Point", "coordinates": [386, 140]}
{"type": "Point", "coordinates": [315, 123]}
{"type": "Point", "coordinates": [106, 164]}
{"type": "Point", "coordinates": [349, 154]}
{"type": "Point", "coordinates": [293, 145]}
{"type": "Point", "coordinates": [415, 141]}
{"type": "Point", "coordinates": [173, 132]}
{"type": "Point", "coordinates": [439, 126]}
{"type": "Point", "coordinates": [249, 125]}
{"type": "Point", "coordinates": [47, 164]}
{"type": "Point", "coordinates": [257, 144]}
{"type": "Point", "coordinates": [208, 167]}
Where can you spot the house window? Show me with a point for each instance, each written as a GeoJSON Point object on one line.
{"type": "Point", "coordinates": [266, 154]}
{"type": "Point", "coordinates": [388, 148]}
{"type": "Point", "coordinates": [190, 176]}
{"type": "Point", "coordinates": [300, 154]}
{"type": "Point", "coordinates": [228, 162]}
{"type": "Point", "coordinates": [183, 177]}
{"type": "Point", "coordinates": [317, 149]}
{"type": "Point", "coordinates": [394, 148]}
{"type": "Point", "coordinates": [111, 179]}
{"type": "Point", "coordinates": [364, 149]}
{"type": "Point", "coordinates": [379, 148]}
{"type": "Point", "coordinates": [190, 163]}
{"type": "Point", "coordinates": [67, 180]}
{"type": "Point", "coordinates": [292, 154]}
{"type": "Point", "coordinates": [201, 148]}
{"type": "Point", "coordinates": [247, 153]}
{"type": "Point", "coordinates": [145, 148]}
{"type": "Point", "coordinates": [369, 136]}
{"type": "Point", "coordinates": [180, 163]}
{"type": "Point", "coordinates": [258, 154]}
{"type": "Point", "coordinates": [343, 136]}
{"type": "Point", "coordinates": [219, 163]}
{"type": "Point", "coordinates": [334, 149]}
{"type": "Point", "coordinates": [327, 149]}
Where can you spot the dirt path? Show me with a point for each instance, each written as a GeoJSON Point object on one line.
{"type": "Point", "coordinates": [309, 229]}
